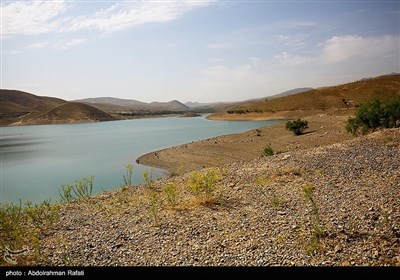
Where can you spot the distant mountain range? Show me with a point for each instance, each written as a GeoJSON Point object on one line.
{"type": "Point", "coordinates": [116, 105]}
{"type": "Point", "coordinates": [22, 108]}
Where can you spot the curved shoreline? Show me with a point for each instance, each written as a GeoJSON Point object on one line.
{"type": "Point", "coordinates": [325, 129]}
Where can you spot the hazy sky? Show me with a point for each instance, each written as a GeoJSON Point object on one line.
{"type": "Point", "coordinates": [194, 50]}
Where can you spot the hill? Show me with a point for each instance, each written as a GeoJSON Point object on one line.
{"type": "Point", "coordinates": [13, 101]}
{"type": "Point", "coordinates": [346, 96]}
{"type": "Point", "coordinates": [14, 104]}
{"type": "Point", "coordinates": [114, 105]}
{"type": "Point", "coordinates": [111, 101]}
{"type": "Point", "coordinates": [70, 112]}
{"type": "Point", "coordinates": [290, 92]}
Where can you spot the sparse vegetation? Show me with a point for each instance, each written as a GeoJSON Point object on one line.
{"type": "Point", "coordinates": [268, 151]}
{"type": "Point", "coordinates": [81, 189]}
{"type": "Point", "coordinates": [297, 126]}
{"type": "Point", "coordinates": [275, 201]}
{"type": "Point", "coordinates": [203, 184]}
{"type": "Point", "coordinates": [154, 207]}
{"type": "Point", "coordinates": [318, 230]}
{"type": "Point", "coordinates": [22, 226]}
{"type": "Point", "coordinates": [375, 114]}
{"type": "Point", "coordinates": [148, 178]}
{"type": "Point", "coordinates": [128, 176]}
{"type": "Point", "coordinates": [170, 192]}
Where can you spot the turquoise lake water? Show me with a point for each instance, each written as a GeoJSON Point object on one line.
{"type": "Point", "coordinates": [36, 160]}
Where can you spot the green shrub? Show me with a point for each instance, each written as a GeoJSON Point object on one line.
{"type": "Point", "coordinates": [81, 189]}
{"type": "Point", "coordinates": [318, 230]}
{"type": "Point", "coordinates": [170, 192]}
{"type": "Point", "coordinates": [202, 184]}
{"type": "Point", "coordinates": [22, 228]}
{"type": "Point", "coordinates": [375, 114]}
{"type": "Point", "coordinates": [148, 178]}
{"type": "Point", "coordinates": [154, 207]}
{"type": "Point", "coordinates": [268, 151]}
{"type": "Point", "coordinates": [128, 176]}
{"type": "Point", "coordinates": [297, 127]}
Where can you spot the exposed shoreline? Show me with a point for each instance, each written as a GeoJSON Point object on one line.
{"type": "Point", "coordinates": [326, 128]}
{"type": "Point", "coordinates": [259, 217]}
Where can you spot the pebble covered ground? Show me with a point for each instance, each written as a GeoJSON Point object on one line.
{"type": "Point", "coordinates": [259, 216]}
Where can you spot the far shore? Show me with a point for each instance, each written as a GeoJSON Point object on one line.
{"type": "Point", "coordinates": [325, 128]}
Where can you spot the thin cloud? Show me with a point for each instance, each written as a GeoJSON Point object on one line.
{"type": "Point", "coordinates": [121, 16]}
{"type": "Point", "coordinates": [341, 48]}
{"type": "Point", "coordinates": [37, 45]}
{"type": "Point", "coordinates": [290, 59]}
{"type": "Point", "coordinates": [69, 44]}
{"type": "Point", "coordinates": [40, 17]}
{"type": "Point", "coordinates": [31, 18]}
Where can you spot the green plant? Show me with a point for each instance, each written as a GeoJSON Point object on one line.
{"type": "Point", "coordinates": [148, 178]}
{"type": "Point", "coordinates": [154, 206]}
{"type": "Point", "coordinates": [297, 126]}
{"type": "Point", "coordinates": [11, 233]}
{"type": "Point", "coordinates": [20, 227]}
{"type": "Point", "coordinates": [170, 192]}
{"type": "Point", "coordinates": [81, 189]}
{"type": "Point", "coordinates": [264, 180]}
{"type": "Point", "coordinates": [268, 151]}
{"type": "Point", "coordinates": [275, 201]}
{"type": "Point", "coordinates": [41, 215]}
{"type": "Point", "coordinates": [203, 184]}
{"type": "Point", "coordinates": [318, 230]}
{"type": "Point", "coordinates": [375, 114]}
{"type": "Point", "coordinates": [128, 176]}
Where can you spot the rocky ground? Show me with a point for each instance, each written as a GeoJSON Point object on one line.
{"type": "Point", "coordinates": [258, 216]}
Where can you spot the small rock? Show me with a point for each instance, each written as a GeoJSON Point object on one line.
{"type": "Point", "coordinates": [346, 263]}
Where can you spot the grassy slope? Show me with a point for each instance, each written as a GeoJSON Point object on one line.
{"type": "Point", "coordinates": [383, 87]}
{"type": "Point", "coordinates": [71, 112]}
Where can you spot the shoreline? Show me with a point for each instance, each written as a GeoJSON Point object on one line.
{"type": "Point", "coordinates": [325, 129]}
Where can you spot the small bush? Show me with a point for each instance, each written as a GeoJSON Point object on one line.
{"type": "Point", "coordinates": [268, 151]}
{"type": "Point", "coordinates": [202, 184]}
{"type": "Point", "coordinates": [318, 230]}
{"type": "Point", "coordinates": [148, 178]}
{"type": "Point", "coordinates": [128, 176]}
{"type": "Point", "coordinates": [375, 114]}
{"type": "Point", "coordinates": [154, 207]}
{"type": "Point", "coordinates": [170, 192]}
{"type": "Point", "coordinates": [81, 189]}
{"type": "Point", "coordinates": [297, 127]}
{"type": "Point", "coordinates": [22, 227]}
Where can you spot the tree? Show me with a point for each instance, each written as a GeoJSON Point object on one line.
{"type": "Point", "coordinates": [297, 127]}
{"type": "Point", "coordinates": [375, 114]}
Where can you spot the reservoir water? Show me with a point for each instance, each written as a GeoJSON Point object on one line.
{"type": "Point", "coordinates": [36, 160]}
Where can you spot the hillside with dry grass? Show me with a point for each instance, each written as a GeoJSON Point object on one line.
{"type": "Point", "coordinates": [346, 96]}
{"type": "Point", "coordinates": [70, 112]}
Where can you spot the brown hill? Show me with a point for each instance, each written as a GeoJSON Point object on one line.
{"type": "Point", "coordinates": [342, 96]}
{"type": "Point", "coordinates": [16, 105]}
{"type": "Point", "coordinates": [116, 105]}
{"type": "Point", "coordinates": [70, 112]}
{"type": "Point", "coordinates": [15, 101]}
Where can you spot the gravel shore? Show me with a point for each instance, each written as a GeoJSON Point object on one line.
{"type": "Point", "coordinates": [324, 129]}
{"type": "Point", "coordinates": [259, 215]}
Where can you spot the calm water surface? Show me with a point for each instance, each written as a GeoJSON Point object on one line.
{"type": "Point", "coordinates": [36, 160]}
